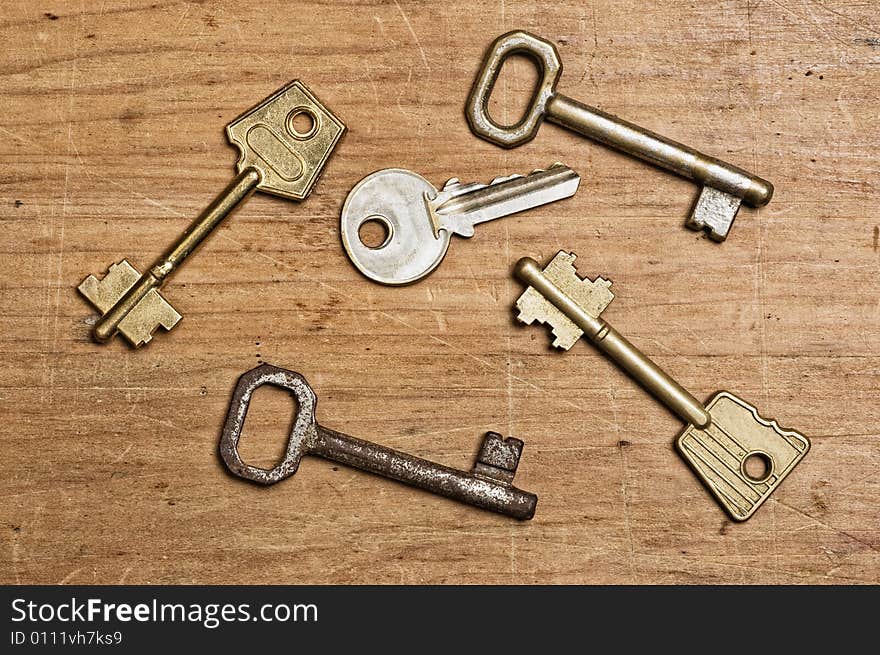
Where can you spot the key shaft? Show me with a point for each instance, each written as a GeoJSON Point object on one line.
{"type": "Point", "coordinates": [423, 474]}
{"type": "Point", "coordinates": [658, 150]}
{"type": "Point", "coordinates": [244, 184]}
{"type": "Point", "coordinates": [654, 379]}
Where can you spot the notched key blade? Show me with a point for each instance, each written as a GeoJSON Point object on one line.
{"type": "Point", "coordinates": [458, 207]}
{"type": "Point", "coordinates": [152, 312]}
{"type": "Point", "coordinates": [592, 295]}
{"type": "Point", "coordinates": [718, 454]}
{"type": "Point", "coordinates": [289, 156]}
{"type": "Point", "coordinates": [104, 293]}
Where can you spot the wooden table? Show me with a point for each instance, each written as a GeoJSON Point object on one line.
{"type": "Point", "coordinates": [112, 140]}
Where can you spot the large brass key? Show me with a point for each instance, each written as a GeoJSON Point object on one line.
{"type": "Point", "coordinates": [724, 186]}
{"type": "Point", "coordinates": [284, 143]}
{"type": "Point", "coordinates": [725, 440]}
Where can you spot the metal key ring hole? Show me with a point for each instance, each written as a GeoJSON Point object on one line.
{"type": "Point", "coordinates": [375, 232]}
{"type": "Point", "coordinates": [544, 56]}
{"type": "Point", "coordinates": [272, 411]}
{"type": "Point", "coordinates": [757, 466]}
{"type": "Point", "coordinates": [301, 434]}
{"type": "Point", "coordinates": [302, 123]}
{"type": "Point", "coordinates": [516, 62]}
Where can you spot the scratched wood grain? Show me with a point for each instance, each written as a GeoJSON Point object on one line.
{"type": "Point", "coordinates": [111, 140]}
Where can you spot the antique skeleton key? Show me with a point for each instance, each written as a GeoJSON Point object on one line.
{"type": "Point", "coordinates": [278, 155]}
{"type": "Point", "coordinates": [419, 221]}
{"type": "Point", "coordinates": [724, 186]}
{"type": "Point", "coordinates": [721, 438]}
{"type": "Point", "coordinates": [489, 485]}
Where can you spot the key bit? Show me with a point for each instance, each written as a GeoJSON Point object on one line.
{"type": "Point", "coordinates": [721, 438]}
{"type": "Point", "coordinates": [592, 296]}
{"type": "Point", "coordinates": [419, 220]}
{"type": "Point", "coordinates": [498, 458]}
{"type": "Point", "coordinates": [724, 186]}
{"type": "Point", "coordinates": [488, 485]}
{"type": "Point", "coordinates": [142, 320]}
{"type": "Point", "coordinates": [275, 156]}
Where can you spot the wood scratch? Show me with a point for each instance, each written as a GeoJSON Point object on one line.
{"type": "Point", "coordinates": [842, 533]}
{"type": "Point", "coordinates": [67, 578]}
{"type": "Point", "coordinates": [28, 142]}
{"type": "Point", "coordinates": [816, 23]}
{"type": "Point", "coordinates": [433, 337]}
{"type": "Point", "coordinates": [123, 454]}
{"type": "Point", "coordinates": [15, 572]}
{"type": "Point", "coordinates": [629, 533]}
{"type": "Point", "coordinates": [414, 36]}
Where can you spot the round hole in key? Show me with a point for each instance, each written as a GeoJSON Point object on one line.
{"type": "Point", "coordinates": [302, 123]}
{"type": "Point", "coordinates": [263, 442]}
{"type": "Point", "coordinates": [375, 231]}
{"type": "Point", "coordinates": [757, 466]}
{"type": "Point", "coordinates": [519, 79]}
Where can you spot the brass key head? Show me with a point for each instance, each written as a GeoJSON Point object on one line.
{"type": "Point", "coordinates": [592, 296]}
{"type": "Point", "coordinates": [547, 59]}
{"type": "Point", "coordinates": [287, 138]}
{"type": "Point", "coordinates": [302, 436]}
{"type": "Point", "coordinates": [151, 313]}
{"type": "Point", "coordinates": [720, 454]}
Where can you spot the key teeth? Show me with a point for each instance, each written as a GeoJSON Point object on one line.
{"type": "Point", "coordinates": [505, 178]}
{"type": "Point", "coordinates": [524, 319]}
{"type": "Point", "coordinates": [456, 182]}
{"type": "Point", "coordinates": [103, 292]}
{"type": "Point", "coordinates": [559, 341]}
{"type": "Point", "coordinates": [151, 313]}
{"type": "Point", "coordinates": [593, 296]}
{"type": "Point", "coordinates": [513, 176]}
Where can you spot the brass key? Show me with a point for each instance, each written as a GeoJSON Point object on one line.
{"type": "Point", "coordinates": [725, 186]}
{"type": "Point", "coordinates": [276, 156]}
{"type": "Point", "coordinates": [722, 438]}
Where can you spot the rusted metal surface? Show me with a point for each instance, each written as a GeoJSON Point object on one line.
{"type": "Point", "coordinates": [488, 486]}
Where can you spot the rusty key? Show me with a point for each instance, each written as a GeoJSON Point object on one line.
{"type": "Point", "coordinates": [488, 485]}
{"type": "Point", "coordinates": [724, 186]}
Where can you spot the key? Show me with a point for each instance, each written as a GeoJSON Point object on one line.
{"type": "Point", "coordinates": [488, 485]}
{"type": "Point", "coordinates": [724, 186]}
{"type": "Point", "coordinates": [283, 145]}
{"type": "Point", "coordinates": [419, 220]}
{"type": "Point", "coordinates": [724, 441]}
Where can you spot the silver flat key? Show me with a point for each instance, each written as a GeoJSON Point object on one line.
{"type": "Point", "coordinates": [419, 221]}
{"type": "Point", "coordinates": [724, 186]}
{"type": "Point", "coordinates": [489, 485]}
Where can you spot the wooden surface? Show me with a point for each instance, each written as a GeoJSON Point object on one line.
{"type": "Point", "coordinates": [111, 140]}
